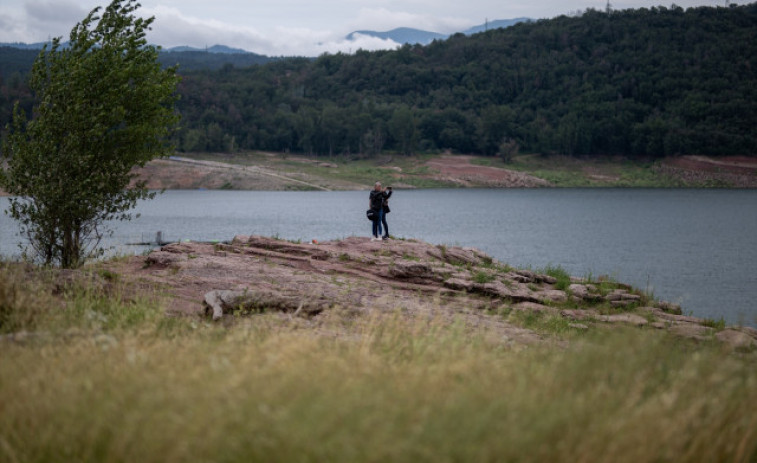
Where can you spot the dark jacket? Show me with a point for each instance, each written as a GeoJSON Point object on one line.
{"type": "Point", "coordinates": [377, 199]}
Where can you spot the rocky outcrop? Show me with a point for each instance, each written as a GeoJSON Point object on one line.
{"type": "Point", "coordinates": [253, 274]}
{"type": "Point", "coordinates": [220, 302]}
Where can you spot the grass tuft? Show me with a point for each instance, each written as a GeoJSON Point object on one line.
{"type": "Point", "coordinates": [559, 273]}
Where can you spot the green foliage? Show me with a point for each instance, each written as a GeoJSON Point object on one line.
{"type": "Point", "coordinates": [718, 324]}
{"type": "Point", "coordinates": [562, 276]}
{"type": "Point", "coordinates": [103, 107]}
{"type": "Point", "coordinates": [640, 83]}
{"type": "Point", "coordinates": [483, 277]}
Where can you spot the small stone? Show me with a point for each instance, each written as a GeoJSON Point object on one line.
{"type": "Point", "coordinates": [576, 314]}
{"type": "Point", "coordinates": [578, 326]}
{"type": "Point", "coordinates": [459, 284]}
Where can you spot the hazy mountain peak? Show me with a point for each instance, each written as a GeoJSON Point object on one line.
{"type": "Point", "coordinates": [403, 35]}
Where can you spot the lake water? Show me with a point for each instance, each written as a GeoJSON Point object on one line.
{"type": "Point", "coordinates": [693, 247]}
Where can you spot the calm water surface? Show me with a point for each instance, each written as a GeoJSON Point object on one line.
{"type": "Point", "coordinates": [694, 247]}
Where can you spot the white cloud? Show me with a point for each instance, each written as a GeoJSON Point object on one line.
{"type": "Point", "coordinates": [172, 28]}
{"type": "Point", "coordinates": [55, 12]}
{"type": "Point", "coordinates": [383, 19]}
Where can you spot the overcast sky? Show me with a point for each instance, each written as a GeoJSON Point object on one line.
{"type": "Point", "coordinates": [293, 27]}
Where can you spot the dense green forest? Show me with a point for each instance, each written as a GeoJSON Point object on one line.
{"type": "Point", "coordinates": [638, 83]}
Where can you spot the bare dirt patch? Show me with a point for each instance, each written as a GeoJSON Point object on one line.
{"type": "Point", "coordinates": [460, 170]}
{"type": "Point", "coordinates": [733, 171]}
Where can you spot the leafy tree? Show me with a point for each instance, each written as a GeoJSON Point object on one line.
{"type": "Point", "coordinates": [637, 83]}
{"type": "Point", "coordinates": [103, 107]}
{"type": "Point", "coordinates": [402, 127]}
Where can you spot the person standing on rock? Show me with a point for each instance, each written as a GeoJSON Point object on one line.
{"type": "Point", "coordinates": [384, 211]}
{"type": "Point", "coordinates": [376, 203]}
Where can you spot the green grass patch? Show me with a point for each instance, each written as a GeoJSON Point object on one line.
{"type": "Point", "coordinates": [130, 384]}
{"type": "Point", "coordinates": [560, 274]}
{"type": "Point", "coordinates": [483, 277]}
{"type": "Point", "coordinates": [715, 324]}
{"type": "Point", "coordinates": [566, 171]}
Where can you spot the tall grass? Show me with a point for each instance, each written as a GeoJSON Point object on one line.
{"type": "Point", "coordinates": [376, 388]}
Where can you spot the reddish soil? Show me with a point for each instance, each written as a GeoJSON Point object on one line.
{"type": "Point", "coordinates": [742, 165]}
{"type": "Point", "coordinates": [731, 171]}
{"type": "Point", "coordinates": [460, 170]}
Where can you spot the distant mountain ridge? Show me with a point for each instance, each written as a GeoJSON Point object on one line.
{"type": "Point", "coordinates": [408, 35]}
{"type": "Point", "coordinates": [19, 57]}
{"type": "Point", "coordinates": [214, 49]}
{"type": "Point", "coordinates": [400, 35]}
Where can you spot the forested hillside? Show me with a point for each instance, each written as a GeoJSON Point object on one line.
{"type": "Point", "coordinates": [639, 83]}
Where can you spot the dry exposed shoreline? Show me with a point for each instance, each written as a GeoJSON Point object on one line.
{"type": "Point", "coordinates": [279, 172]}
{"type": "Point", "coordinates": [355, 277]}
{"type": "Point", "coordinates": [286, 172]}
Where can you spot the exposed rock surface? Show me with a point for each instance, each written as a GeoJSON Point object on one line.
{"type": "Point", "coordinates": [253, 274]}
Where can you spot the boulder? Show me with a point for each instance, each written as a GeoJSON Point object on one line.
{"type": "Point", "coordinates": [523, 276]}
{"type": "Point", "coordinates": [691, 330]}
{"type": "Point", "coordinates": [546, 279]}
{"type": "Point", "coordinates": [521, 279]}
{"type": "Point", "coordinates": [670, 307]}
{"type": "Point", "coordinates": [551, 295]}
{"type": "Point", "coordinates": [736, 339]}
{"type": "Point", "coordinates": [515, 293]}
{"type": "Point", "coordinates": [579, 290]}
{"type": "Point", "coordinates": [454, 256]}
{"type": "Point", "coordinates": [458, 284]}
{"type": "Point", "coordinates": [220, 302]}
{"type": "Point", "coordinates": [749, 330]}
{"type": "Point", "coordinates": [625, 318]}
{"type": "Point", "coordinates": [410, 270]}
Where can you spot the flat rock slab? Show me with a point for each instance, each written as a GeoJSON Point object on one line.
{"type": "Point", "coordinates": [254, 274]}
{"type": "Point", "coordinates": [626, 319]}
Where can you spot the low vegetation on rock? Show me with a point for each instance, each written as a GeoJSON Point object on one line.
{"type": "Point", "coordinates": [353, 350]}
